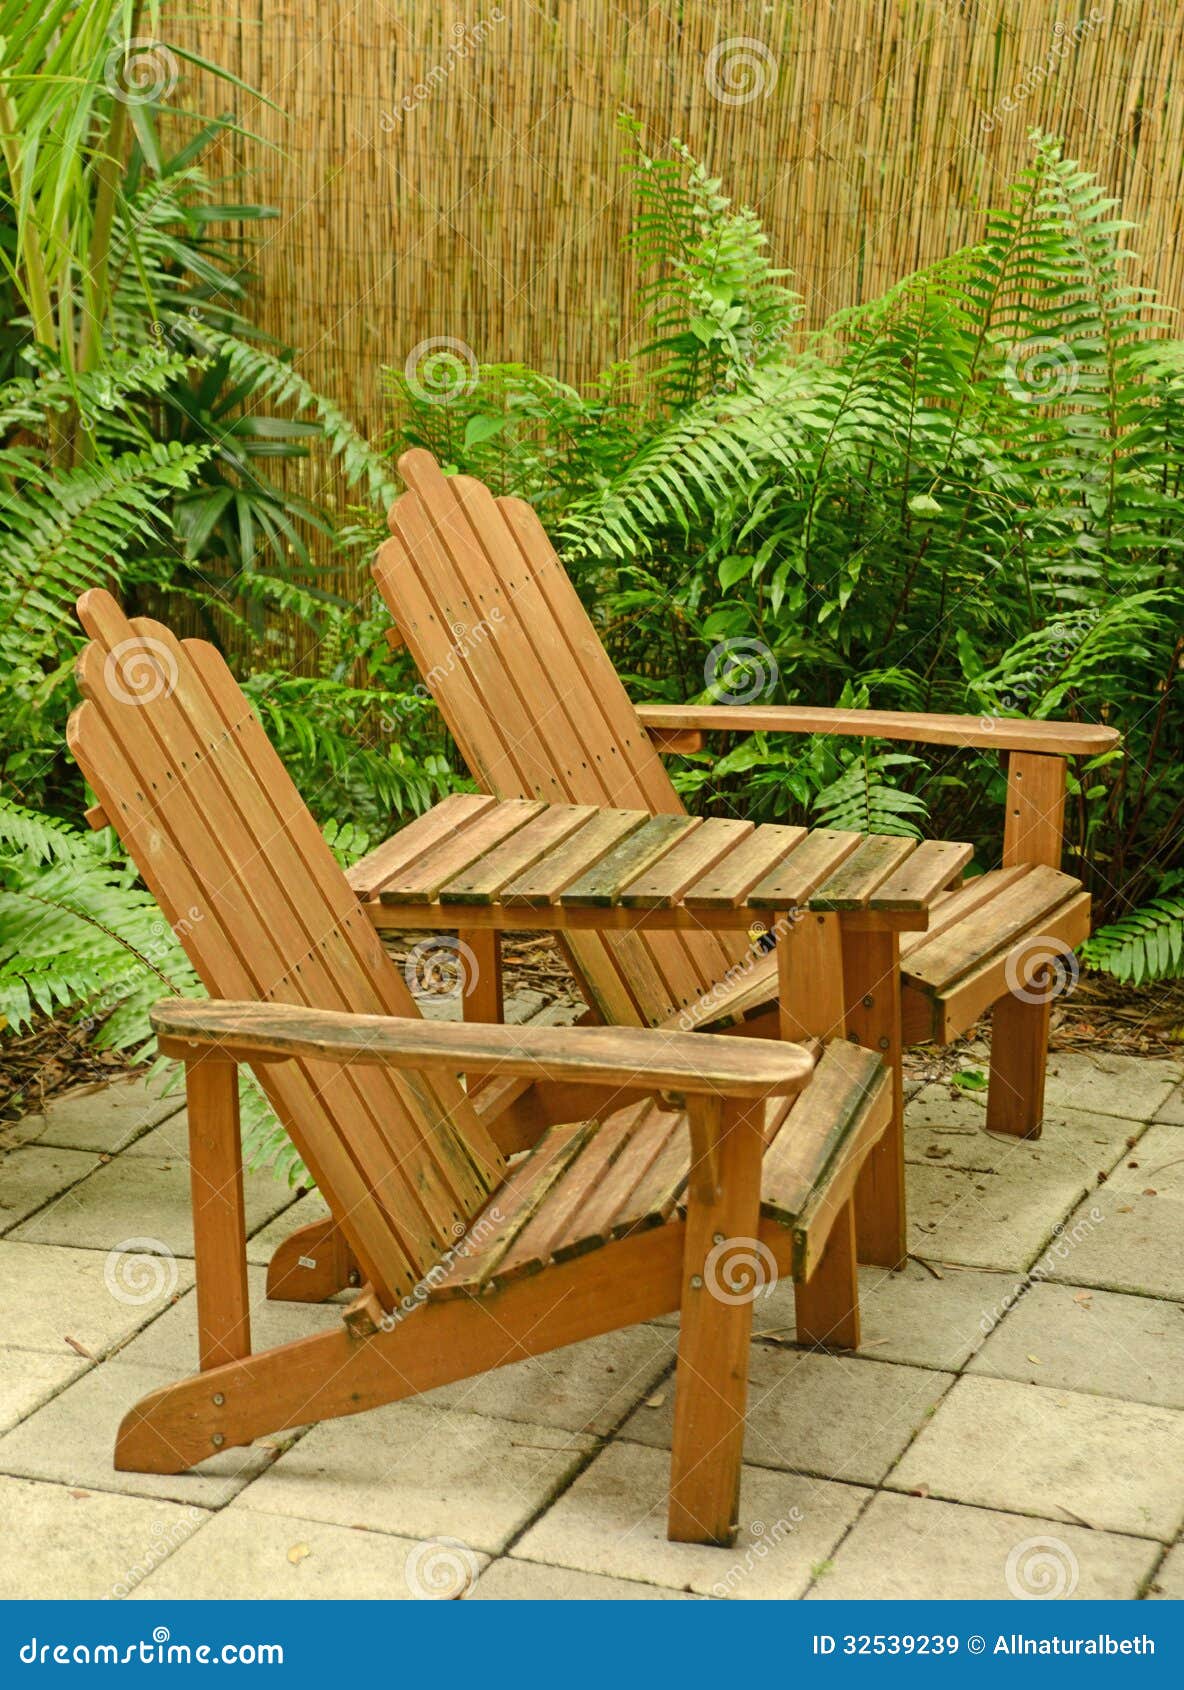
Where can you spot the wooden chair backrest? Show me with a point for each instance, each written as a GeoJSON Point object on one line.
{"type": "Point", "coordinates": [242, 874]}
{"type": "Point", "coordinates": [531, 697]}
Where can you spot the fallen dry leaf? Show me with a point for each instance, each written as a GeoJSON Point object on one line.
{"type": "Point", "coordinates": [1036, 1361]}
{"type": "Point", "coordinates": [921, 1490]}
{"type": "Point", "coordinates": [79, 1349]}
{"type": "Point", "coordinates": [298, 1553]}
{"type": "Point", "coordinates": [656, 1401]}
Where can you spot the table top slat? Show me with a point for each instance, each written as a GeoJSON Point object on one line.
{"type": "Point", "coordinates": [545, 880]}
{"type": "Point", "coordinates": [919, 879]}
{"type": "Point", "coordinates": [727, 885]}
{"type": "Point", "coordinates": [481, 882]}
{"type": "Point", "coordinates": [857, 877]}
{"type": "Point", "coordinates": [600, 886]}
{"type": "Point", "coordinates": [792, 882]}
{"type": "Point", "coordinates": [371, 872]}
{"type": "Point", "coordinates": [661, 885]}
{"type": "Point", "coordinates": [422, 881]}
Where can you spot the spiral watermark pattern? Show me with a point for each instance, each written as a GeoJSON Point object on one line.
{"type": "Point", "coordinates": [141, 71]}
{"type": "Point", "coordinates": [140, 1270]}
{"type": "Point", "coordinates": [1040, 969]}
{"type": "Point", "coordinates": [441, 1569]}
{"type": "Point", "coordinates": [140, 671]}
{"type": "Point", "coordinates": [1041, 1569]}
{"type": "Point", "coordinates": [441, 370]}
{"type": "Point", "coordinates": [440, 969]}
{"type": "Point", "coordinates": [738, 671]}
{"type": "Point", "coordinates": [739, 1270]}
{"type": "Point", "coordinates": [1041, 370]}
{"type": "Point", "coordinates": [740, 70]}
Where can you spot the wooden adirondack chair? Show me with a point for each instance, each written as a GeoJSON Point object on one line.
{"type": "Point", "coordinates": [529, 693]}
{"type": "Point", "coordinates": [593, 1178]}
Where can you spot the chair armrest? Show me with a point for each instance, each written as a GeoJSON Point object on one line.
{"type": "Point", "coordinates": [998, 733]}
{"type": "Point", "coordinates": [644, 1057]}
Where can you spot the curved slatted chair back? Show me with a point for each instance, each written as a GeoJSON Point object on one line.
{"type": "Point", "coordinates": [225, 843]}
{"type": "Point", "coordinates": [531, 697]}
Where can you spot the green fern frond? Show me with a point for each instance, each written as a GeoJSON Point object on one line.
{"type": "Point", "coordinates": [1146, 944]}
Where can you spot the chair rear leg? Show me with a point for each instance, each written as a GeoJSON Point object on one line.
{"type": "Point", "coordinates": [725, 1266]}
{"type": "Point", "coordinates": [1019, 1058]}
{"type": "Point", "coordinates": [827, 1304]}
{"type": "Point", "coordinates": [219, 1222]}
{"type": "Point", "coordinates": [311, 1266]}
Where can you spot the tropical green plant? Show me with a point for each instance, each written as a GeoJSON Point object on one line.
{"type": "Point", "coordinates": [966, 495]}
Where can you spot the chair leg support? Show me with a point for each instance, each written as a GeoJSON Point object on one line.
{"type": "Point", "coordinates": [311, 1266]}
{"type": "Point", "coordinates": [871, 981]}
{"type": "Point", "coordinates": [219, 1220]}
{"type": "Point", "coordinates": [1019, 1057]}
{"type": "Point", "coordinates": [725, 1266]}
{"type": "Point", "coordinates": [827, 1304]}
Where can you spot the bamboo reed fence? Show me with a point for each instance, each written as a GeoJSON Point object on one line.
{"type": "Point", "coordinates": [456, 170]}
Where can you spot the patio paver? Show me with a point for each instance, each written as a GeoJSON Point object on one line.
{"type": "Point", "coordinates": [1099, 1342]}
{"type": "Point", "coordinates": [845, 1417]}
{"type": "Point", "coordinates": [103, 1118]}
{"type": "Point", "coordinates": [613, 1521]}
{"type": "Point", "coordinates": [259, 1556]}
{"type": "Point", "coordinates": [1168, 1584]}
{"type": "Point", "coordinates": [906, 1548]}
{"type": "Point", "coordinates": [35, 1175]}
{"type": "Point", "coordinates": [511, 1580]}
{"type": "Point", "coordinates": [1058, 1454]}
{"type": "Point", "coordinates": [1131, 1086]}
{"type": "Point", "coordinates": [84, 1544]}
{"type": "Point", "coordinates": [49, 1293]}
{"type": "Point", "coordinates": [29, 1377]}
{"type": "Point", "coordinates": [421, 1472]}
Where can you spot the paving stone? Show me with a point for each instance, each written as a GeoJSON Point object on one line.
{"type": "Point", "coordinates": [35, 1175]}
{"type": "Point", "coordinates": [104, 1118]}
{"type": "Point", "coordinates": [136, 1196]}
{"type": "Point", "coordinates": [1155, 1162]}
{"type": "Point", "coordinates": [1000, 1221]}
{"type": "Point", "coordinates": [168, 1142]}
{"type": "Point", "coordinates": [71, 1441]}
{"type": "Point", "coordinates": [268, 1557]}
{"type": "Point", "coordinates": [908, 1549]}
{"type": "Point", "coordinates": [906, 1317]}
{"type": "Point", "coordinates": [1121, 1240]}
{"type": "Point", "coordinates": [1093, 1341]}
{"type": "Point", "coordinates": [1109, 1084]}
{"type": "Point", "coordinates": [96, 1297]}
{"type": "Point", "coordinates": [586, 1387]}
{"type": "Point", "coordinates": [263, 1244]}
{"type": "Point", "coordinates": [60, 1543]}
{"type": "Point", "coordinates": [612, 1521]}
{"type": "Point", "coordinates": [170, 1343]}
{"type": "Point", "coordinates": [30, 1377]}
{"type": "Point", "coordinates": [1116, 1466]}
{"type": "Point", "coordinates": [511, 1580]}
{"type": "Point", "coordinates": [1168, 1583]}
{"type": "Point", "coordinates": [420, 1472]}
{"type": "Point", "coordinates": [842, 1417]}
{"type": "Point", "coordinates": [949, 1131]}
{"type": "Point", "coordinates": [1172, 1112]}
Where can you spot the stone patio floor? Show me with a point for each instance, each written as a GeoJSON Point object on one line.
{"type": "Point", "coordinates": [1013, 1425]}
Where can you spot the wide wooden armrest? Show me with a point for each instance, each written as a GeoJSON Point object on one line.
{"type": "Point", "coordinates": [999, 733]}
{"type": "Point", "coordinates": [640, 1057]}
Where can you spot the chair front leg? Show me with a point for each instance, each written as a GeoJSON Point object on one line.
{"type": "Point", "coordinates": [219, 1219]}
{"type": "Point", "coordinates": [1033, 833]}
{"type": "Point", "coordinates": [725, 1267]}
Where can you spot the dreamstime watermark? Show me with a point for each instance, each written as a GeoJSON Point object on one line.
{"type": "Point", "coordinates": [1061, 644]}
{"type": "Point", "coordinates": [157, 950]}
{"type": "Point", "coordinates": [762, 941]}
{"type": "Point", "coordinates": [141, 71]}
{"type": "Point", "coordinates": [1041, 1568]}
{"type": "Point", "coordinates": [140, 1270]}
{"type": "Point", "coordinates": [441, 969]}
{"type": "Point", "coordinates": [465, 642]}
{"type": "Point", "coordinates": [440, 1569]}
{"type": "Point", "coordinates": [1064, 40]}
{"type": "Point", "coordinates": [740, 670]}
{"type": "Point", "coordinates": [764, 1540]}
{"type": "Point", "coordinates": [465, 39]}
{"type": "Point", "coordinates": [166, 1536]}
{"type": "Point", "coordinates": [739, 1270]}
{"type": "Point", "coordinates": [140, 670]}
{"type": "Point", "coordinates": [1041, 370]}
{"type": "Point", "coordinates": [1065, 1241]}
{"type": "Point", "coordinates": [740, 70]}
{"type": "Point", "coordinates": [441, 370]}
{"type": "Point", "coordinates": [1041, 969]}
{"type": "Point", "coordinates": [469, 1239]}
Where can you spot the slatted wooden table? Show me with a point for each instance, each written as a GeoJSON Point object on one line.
{"type": "Point", "coordinates": [485, 866]}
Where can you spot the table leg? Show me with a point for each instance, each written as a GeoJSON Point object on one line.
{"type": "Point", "coordinates": [481, 961]}
{"type": "Point", "coordinates": [871, 975]}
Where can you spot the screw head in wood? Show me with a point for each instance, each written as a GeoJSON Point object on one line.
{"type": "Point", "coordinates": [718, 1238]}
{"type": "Point", "coordinates": [868, 1001]}
{"type": "Point", "coordinates": [217, 1440]}
{"type": "Point", "coordinates": [219, 1399]}
{"type": "Point", "coordinates": [696, 1282]}
{"type": "Point", "coordinates": [884, 1043]}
